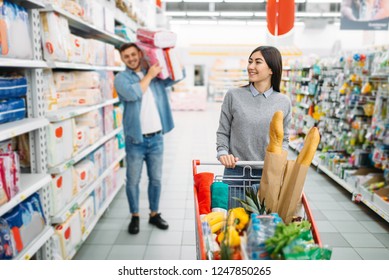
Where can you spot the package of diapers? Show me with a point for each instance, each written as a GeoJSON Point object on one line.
{"type": "Point", "coordinates": [77, 47]}
{"type": "Point", "coordinates": [60, 141]}
{"type": "Point", "coordinates": [91, 119]}
{"type": "Point", "coordinates": [85, 97]}
{"type": "Point", "coordinates": [174, 64]}
{"type": "Point", "coordinates": [70, 234]}
{"type": "Point", "coordinates": [155, 55]}
{"type": "Point", "coordinates": [87, 212]}
{"type": "Point", "coordinates": [84, 173]}
{"type": "Point", "coordinates": [64, 81]}
{"type": "Point", "coordinates": [82, 137]}
{"type": "Point", "coordinates": [86, 79]}
{"type": "Point", "coordinates": [61, 190]}
{"type": "Point", "coordinates": [157, 38]}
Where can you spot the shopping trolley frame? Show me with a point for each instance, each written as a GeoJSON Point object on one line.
{"type": "Point", "coordinates": [200, 246]}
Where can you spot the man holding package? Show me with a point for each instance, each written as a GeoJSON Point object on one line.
{"type": "Point", "coordinates": [147, 116]}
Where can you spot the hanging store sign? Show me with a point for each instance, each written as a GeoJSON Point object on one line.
{"type": "Point", "coordinates": [364, 15]}
{"type": "Point", "coordinates": [280, 16]}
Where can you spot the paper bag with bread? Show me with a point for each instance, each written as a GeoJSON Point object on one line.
{"type": "Point", "coordinates": [283, 180]}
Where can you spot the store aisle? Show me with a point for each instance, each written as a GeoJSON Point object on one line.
{"type": "Point", "coordinates": [353, 231]}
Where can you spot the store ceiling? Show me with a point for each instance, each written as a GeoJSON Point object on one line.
{"type": "Point", "coordinates": [247, 10]}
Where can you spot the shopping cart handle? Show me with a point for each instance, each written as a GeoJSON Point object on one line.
{"type": "Point", "coordinates": [239, 163]}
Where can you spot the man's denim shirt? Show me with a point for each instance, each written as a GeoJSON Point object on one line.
{"type": "Point", "coordinates": [130, 94]}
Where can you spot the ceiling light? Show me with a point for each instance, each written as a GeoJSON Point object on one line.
{"type": "Point", "coordinates": [172, 1]}
{"type": "Point", "coordinates": [198, 1]}
{"type": "Point", "coordinates": [236, 14]}
{"type": "Point", "coordinates": [202, 14]}
{"type": "Point", "coordinates": [244, 1]}
{"type": "Point", "coordinates": [179, 21]}
{"type": "Point", "coordinates": [333, 14]}
{"type": "Point", "coordinates": [232, 22]}
{"type": "Point", "coordinates": [324, 1]}
{"type": "Point", "coordinates": [203, 22]}
{"type": "Point", "coordinates": [260, 14]}
{"type": "Point", "coordinates": [257, 23]}
{"type": "Point", "coordinates": [307, 14]}
{"type": "Point", "coordinates": [175, 14]}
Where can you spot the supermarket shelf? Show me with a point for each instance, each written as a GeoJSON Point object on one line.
{"type": "Point", "coordinates": [336, 178]}
{"type": "Point", "coordinates": [12, 129]}
{"type": "Point", "coordinates": [80, 155]}
{"type": "Point", "coordinates": [29, 4]}
{"type": "Point", "coordinates": [70, 112]}
{"type": "Point", "coordinates": [120, 180]}
{"type": "Point", "coordinates": [29, 184]}
{"type": "Point", "coordinates": [85, 28]}
{"type": "Point", "coordinates": [123, 19]}
{"type": "Point", "coordinates": [22, 63]}
{"type": "Point", "coordinates": [376, 209]}
{"type": "Point", "coordinates": [80, 198]}
{"type": "Point", "coordinates": [36, 244]}
{"type": "Point", "coordinates": [121, 176]}
{"type": "Point", "coordinates": [81, 66]}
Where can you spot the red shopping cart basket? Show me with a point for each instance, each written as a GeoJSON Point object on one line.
{"type": "Point", "coordinates": [236, 191]}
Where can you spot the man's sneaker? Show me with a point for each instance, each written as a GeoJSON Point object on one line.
{"type": "Point", "coordinates": [133, 227]}
{"type": "Point", "coordinates": [158, 221]}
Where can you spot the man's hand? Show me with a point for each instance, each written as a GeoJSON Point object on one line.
{"type": "Point", "coordinates": [228, 161]}
{"type": "Point", "coordinates": [154, 70]}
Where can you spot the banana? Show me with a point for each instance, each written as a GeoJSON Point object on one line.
{"type": "Point", "coordinates": [210, 218]}
{"type": "Point", "coordinates": [218, 226]}
{"type": "Point", "coordinates": [216, 220]}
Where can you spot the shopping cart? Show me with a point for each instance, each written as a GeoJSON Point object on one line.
{"type": "Point", "coordinates": [238, 191]}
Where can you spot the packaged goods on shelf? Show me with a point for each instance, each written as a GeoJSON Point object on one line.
{"type": "Point", "coordinates": [91, 119]}
{"type": "Point", "coordinates": [85, 97]}
{"type": "Point", "coordinates": [99, 195]}
{"type": "Point", "coordinates": [70, 234]}
{"type": "Point", "coordinates": [110, 54]}
{"type": "Point", "coordinates": [98, 159]}
{"type": "Point", "coordinates": [61, 190]}
{"type": "Point", "coordinates": [64, 81]}
{"type": "Point", "coordinates": [77, 48]}
{"type": "Point", "coordinates": [155, 55]}
{"type": "Point", "coordinates": [118, 116]}
{"type": "Point", "coordinates": [109, 147]}
{"type": "Point", "coordinates": [87, 212]}
{"type": "Point", "coordinates": [12, 110]}
{"type": "Point", "coordinates": [10, 173]}
{"type": "Point", "coordinates": [95, 134]}
{"type": "Point", "coordinates": [12, 86]}
{"type": "Point", "coordinates": [73, 7]}
{"type": "Point", "coordinates": [110, 184]}
{"type": "Point", "coordinates": [7, 249]}
{"type": "Point", "coordinates": [96, 52]}
{"type": "Point", "coordinates": [82, 137]}
{"type": "Point", "coordinates": [84, 173]}
{"type": "Point", "coordinates": [106, 84]}
{"type": "Point", "coordinates": [15, 40]}
{"type": "Point", "coordinates": [55, 35]}
{"type": "Point", "coordinates": [118, 60]}
{"type": "Point", "coordinates": [26, 220]}
{"type": "Point", "coordinates": [49, 91]}
{"type": "Point", "coordinates": [108, 119]}
{"type": "Point", "coordinates": [121, 141]}
{"type": "Point", "coordinates": [97, 14]}
{"type": "Point", "coordinates": [125, 32]}
{"type": "Point", "coordinates": [60, 141]}
{"type": "Point", "coordinates": [109, 20]}
{"type": "Point", "coordinates": [157, 38]}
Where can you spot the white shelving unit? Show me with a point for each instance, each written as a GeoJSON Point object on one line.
{"type": "Point", "coordinates": [81, 154]}
{"type": "Point", "coordinates": [30, 183]}
{"type": "Point", "coordinates": [36, 244]}
{"type": "Point", "coordinates": [12, 129]}
{"type": "Point", "coordinates": [70, 112]}
{"type": "Point", "coordinates": [22, 63]}
{"type": "Point", "coordinates": [121, 177]}
{"type": "Point", "coordinates": [86, 28]}
{"type": "Point", "coordinates": [81, 66]}
{"type": "Point", "coordinates": [77, 201]}
{"type": "Point", "coordinates": [30, 4]}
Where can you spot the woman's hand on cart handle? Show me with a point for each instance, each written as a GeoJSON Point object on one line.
{"type": "Point", "coordinates": [228, 161]}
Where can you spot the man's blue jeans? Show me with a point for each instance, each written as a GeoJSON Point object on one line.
{"type": "Point", "coordinates": [150, 151]}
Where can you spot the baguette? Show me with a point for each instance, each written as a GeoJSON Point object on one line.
{"type": "Point", "coordinates": [276, 133]}
{"type": "Point", "coordinates": [311, 142]}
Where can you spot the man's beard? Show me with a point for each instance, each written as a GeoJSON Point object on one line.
{"type": "Point", "coordinates": [136, 67]}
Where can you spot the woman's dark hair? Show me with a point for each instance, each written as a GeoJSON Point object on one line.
{"type": "Point", "coordinates": [273, 59]}
{"type": "Point", "coordinates": [128, 45]}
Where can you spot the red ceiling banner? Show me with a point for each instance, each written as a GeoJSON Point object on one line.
{"type": "Point", "coordinates": [280, 16]}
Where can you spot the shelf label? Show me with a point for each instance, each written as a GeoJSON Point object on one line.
{"type": "Point", "coordinates": [27, 257]}
{"type": "Point", "coordinates": [22, 197]}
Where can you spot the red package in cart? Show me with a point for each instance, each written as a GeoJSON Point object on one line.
{"type": "Point", "coordinates": [157, 38]}
{"type": "Point", "coordinates": [174, 64]}
{"type": "Point", "coordinates": [154, 55]}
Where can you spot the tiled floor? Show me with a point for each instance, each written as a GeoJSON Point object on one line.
{"type": "Point", "coordinates": [352, 231]}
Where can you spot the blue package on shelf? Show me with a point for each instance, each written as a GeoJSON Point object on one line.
{"type": "Point", "coordinates": [12, 87]}
{"type": "Point", "coordinates": [12, 110]}
{"type": "Point", "coordinates": [7, 248]}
